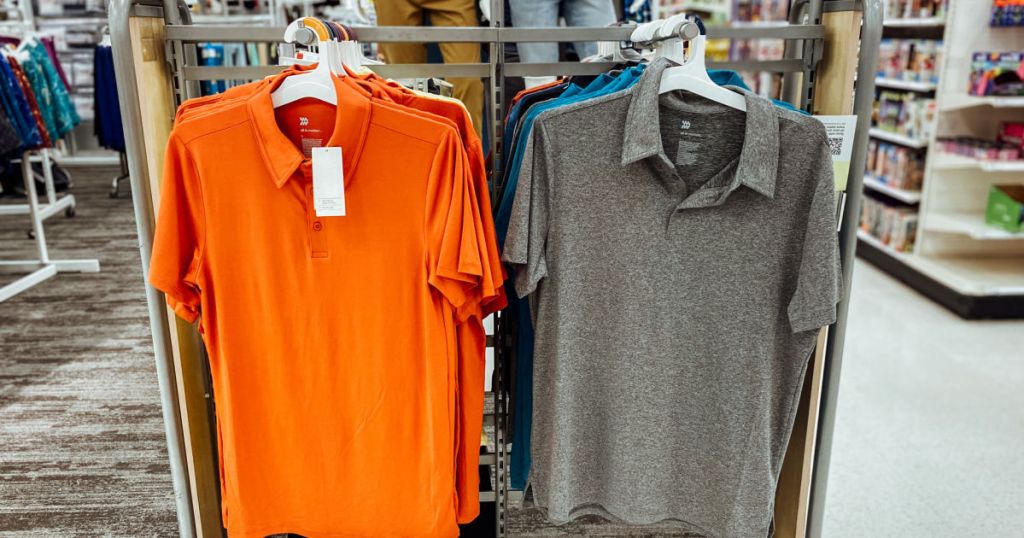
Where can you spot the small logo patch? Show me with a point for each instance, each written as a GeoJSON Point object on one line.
{"type": "Point", "coordinates": [684, 124]}
{"type": "Point", "coordinates": [303, 121]}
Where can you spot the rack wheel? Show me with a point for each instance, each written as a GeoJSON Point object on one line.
{"type": "Point", "coordinates": [31, 234]}
{"type": "Point", "coordinates": [112, 193]}
{"type": "Point", "coordinates": [70, 211]}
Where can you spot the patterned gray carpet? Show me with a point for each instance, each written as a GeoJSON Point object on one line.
{"type": "Point", "coordinates": [82, 448]}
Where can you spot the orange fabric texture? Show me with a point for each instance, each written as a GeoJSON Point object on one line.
{"type": "Point", "coordinates": [334, 342]}
{"type": "Point", "coordinates": [470, 334]}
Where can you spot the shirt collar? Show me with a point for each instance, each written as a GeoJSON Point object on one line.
{"type": "Point", "coordinates": [759, 158]}
{"type": "Point", "coordinates": [281, 156]}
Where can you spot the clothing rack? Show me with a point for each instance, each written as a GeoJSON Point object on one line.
{"type": "Point", "coordinates": [157, 68]}
{"type": "Point", "coordinates": [42, 268]}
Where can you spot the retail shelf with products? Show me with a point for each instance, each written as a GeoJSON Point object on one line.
{"type": "Point", "coordinates": [896, 138]}
{"type": "Point", "coordinates": [946, 161]}
{"type": "Point", "coordinates": [898, 84]}
{"type": "Point", "coordinates": [903, 195]}
{"type": "Point", "coordinates": [962, 101]}
{"type": "Point", "coordinates": [969, 224]}
{"type": "Point", "coordinates": [972, 268]}
{"type": "Point", "coordinates": [877, 243]}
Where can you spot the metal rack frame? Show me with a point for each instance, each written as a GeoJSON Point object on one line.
{"type": "Point", "coordinates": [804, 45]}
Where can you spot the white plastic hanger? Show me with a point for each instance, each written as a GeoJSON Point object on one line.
{"type": "Point", "coordinates": [691, 75]}
{"type": "Point", "coordinates": [318, 83]}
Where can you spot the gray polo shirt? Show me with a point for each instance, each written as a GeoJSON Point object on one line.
{"type": "Point", "coordinates": [681, 255]}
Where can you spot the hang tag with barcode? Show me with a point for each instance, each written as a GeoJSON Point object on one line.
{"type": "Point", "coordinates": [328, 182]}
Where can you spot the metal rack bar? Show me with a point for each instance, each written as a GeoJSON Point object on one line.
{"type": "Point", "coordinates": [494, 34]}
{"type": "Point", "coordinates": [871, 34]}
{"type": "Point", "coordinates": [481, 70]}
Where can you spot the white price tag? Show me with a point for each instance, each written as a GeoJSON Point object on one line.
{"type": "Point", "coordinates": [328, 182]}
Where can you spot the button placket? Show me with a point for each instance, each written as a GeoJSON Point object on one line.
{"type": "Point", "coordinates": [316, 227]}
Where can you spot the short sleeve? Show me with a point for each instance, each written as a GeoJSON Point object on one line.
{"type": "Point", "coordinates": [178, 245]}
{"type": "Point", "coordinates": [453, 257]}
{"type": "Point", "coordinates": [526, 239]}
{"type": "Point", "coordinates": [819, 284]}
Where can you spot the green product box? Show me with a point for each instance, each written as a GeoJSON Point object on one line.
{"type": "Point", "coordinates": [1006, 207]}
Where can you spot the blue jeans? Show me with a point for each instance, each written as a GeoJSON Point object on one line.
{"type": "Point", "coordinates": [544, 13]}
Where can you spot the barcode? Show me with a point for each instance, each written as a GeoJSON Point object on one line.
{"type": "Point", "coordinates": [835, 146]}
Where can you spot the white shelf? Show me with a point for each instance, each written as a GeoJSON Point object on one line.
{"type": "Point", "coordinates": [914, 23]}
{"type": "Point", "coordinates": [970, 276]}
{"type": "Point", "coordinates": [898, 84]}
{"type": "Point", "coordinates": [897, 138]}
{"type": "Point", "coordinates": [969, 224]}
{"type": "Point", "coordinates": [877, 243]}
{"type": "Point", "coordinates": [947, 161]}
{"type": "Point", "coordinates": [974, 276]}
{"type": "Point", "coordinates": [962, 101]}
{"type": "Point", "coordinates": [875, 184]}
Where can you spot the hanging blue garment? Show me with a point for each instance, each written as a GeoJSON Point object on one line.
{"type": "Point", "coordinates": [211, 54]}
{"type": "Point", "coordinates": [109, 128]}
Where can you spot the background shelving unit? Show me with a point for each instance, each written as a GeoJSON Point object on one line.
{"type": "Point", "coordinates": [973, 269]}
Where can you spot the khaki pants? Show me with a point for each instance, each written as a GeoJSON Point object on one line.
{"type": "Point", "coordinates": [442, 13]}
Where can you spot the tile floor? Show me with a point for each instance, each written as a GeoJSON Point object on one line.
{"type": "Point", "coordinates": [929, 435]}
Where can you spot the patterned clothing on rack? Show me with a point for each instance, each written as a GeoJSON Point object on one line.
{"type": "Point", "coordinates": [63, 110]}
{"type": "Point", "coordinates": [33, 103]}
{"type": "Point", "coordinates": [19, 109]}
{"type": "Point", "coordinates": [44, 98]}
{"type": "Point", "coordinates": [51, 51]}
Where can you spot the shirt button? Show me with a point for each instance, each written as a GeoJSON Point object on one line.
{"type": "Point", "coordinates": [317, 226]}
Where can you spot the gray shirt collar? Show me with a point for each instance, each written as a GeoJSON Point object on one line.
{"type": "Point", "coordinates": [759, 157]}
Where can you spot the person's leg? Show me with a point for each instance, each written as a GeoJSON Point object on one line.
{"type": "Point", "coordinates": [401, 13]}
{"type": "Point", "coordinates": [536, 14]}
{"type": "Point", "coordinates": [468, 90]}
{"type": "Point", "coordinates": [588, 13]}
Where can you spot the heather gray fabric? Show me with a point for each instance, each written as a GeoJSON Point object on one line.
{"type": "Point", "coordinates": [680, 254]}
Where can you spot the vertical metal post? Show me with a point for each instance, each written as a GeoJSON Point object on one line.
{"type": "Point", "coordinates": [497, 102]}
{"type": "Point", "coordinates": [47, 164]}
{"type": "Point", "coordinates": [33, 207]}
{"type": "Point", "coordinates": [119, 12]}
{"type": "Point", "coordinates": [871, 33]}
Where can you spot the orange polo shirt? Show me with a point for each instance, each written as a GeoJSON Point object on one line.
{"type": "Point", "coordinates": [332, 340]}
{"type": "Point", "coordinates": [470, 334]}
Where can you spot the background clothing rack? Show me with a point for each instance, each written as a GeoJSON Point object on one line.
{"type": "Point", "coordinates": [827, 49]}
{"type": "Point", "coordinates": [41, 268]}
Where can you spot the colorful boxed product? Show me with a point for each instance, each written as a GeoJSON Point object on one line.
{"type": "Point", "coordinates": [997, 73]}
{"type": "Point", "coordinates": [1006, 207]}
{"type": "Point", "coordinates": [1007, 13]}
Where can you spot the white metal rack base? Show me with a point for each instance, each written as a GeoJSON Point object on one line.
{"type": "Point", "coordinates": [43, 268]}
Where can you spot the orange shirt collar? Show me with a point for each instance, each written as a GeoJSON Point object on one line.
{"type": "Point", "coordinates": [281, 156]}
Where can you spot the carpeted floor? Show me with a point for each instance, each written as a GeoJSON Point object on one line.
{"type": "Point", "coordinates": [82, 447]}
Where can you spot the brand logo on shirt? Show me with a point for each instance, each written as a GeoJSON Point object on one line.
{"type": "Point", "coordinates": [303, 121]}
{"type": "Point", "coordinates": [685, 124]}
